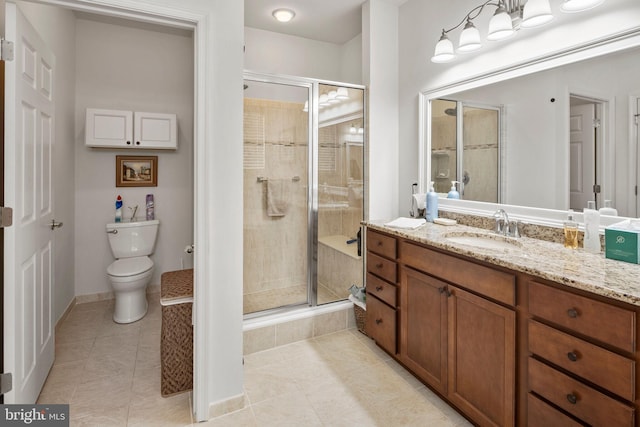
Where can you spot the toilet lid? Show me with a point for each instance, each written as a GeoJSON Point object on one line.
{"type": "Point", "coordinates": [130, 266]}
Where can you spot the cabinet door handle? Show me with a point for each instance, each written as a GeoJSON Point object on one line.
{"type": "Point", "coordinates": [378, 321]}
{"type": "Point", "coordinates": [572, 312]}
{"type": "Point", "coordinates": [572, 398]}
{"type": "Point", "coordinates": [379, 243]}
{"type": "Point", "coordinates": [379, 265]}
{"type": "Point", "coordinates": [573, 356]}
{"type": "Point", "coordinates": [379, 288]}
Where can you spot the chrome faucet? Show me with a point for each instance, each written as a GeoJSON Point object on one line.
{"type": "Point", "coordinates": [504, 226]}
{"type": "Point", "coordinates": [502, 221]}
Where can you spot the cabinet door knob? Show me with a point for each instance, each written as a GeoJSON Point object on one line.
{"type": "Point", "coordinates": [379, 288]}
{"type": "Point", "coordinates": [573, 356]}
{"type": "Point", "coordinates": [128, 142]}
{"type": "Point", "coordinates": [379, 265]}
{"type": "Point", "coordinates": [137, 142]}
{"type": "Point", "coordinates": [572, 398]}
{"type": "Point", "coordinates": [378, 321]}
{"type": "Point", "coordinates": [379, 243]}
{"type": "Point", "coordinates": [572, 312]}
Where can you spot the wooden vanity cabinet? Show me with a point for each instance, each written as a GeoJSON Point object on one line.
{"type": "Point", "coordinates": [381, 319]}
{"type": "Point", "coordinates": [582, 357]}
{"type": "Point", "coordinates": [455, 340]}
{"type": "Point", "coordinates": [504, 348]}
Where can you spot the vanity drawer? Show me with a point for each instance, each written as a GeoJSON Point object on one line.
{"type": "Point", "coordinates": [578, 399]}
{"type": "Point", "coordinates": [494, 284]}
{"type": "Point", "coordinates": [595, 364]}
{"type": "Point", "coordinates": [604, 322]}
{"type": "Point", "coordinates": [382, 290]}
{"type": "Point", "coordinates": [381, 244]}
{"type": "Point", "coordinates": [540, 414]}
{"type": "Point", "coordinates": [381, 324]}
{"type": "Point", "coordinates": [381, 267]}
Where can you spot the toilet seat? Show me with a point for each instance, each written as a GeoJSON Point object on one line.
{"type": "Point", "coordinates": [127, 267]}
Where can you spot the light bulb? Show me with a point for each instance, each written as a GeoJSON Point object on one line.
{"type": "Point", "coordinates": [500, 26]}
{"type": "Point", "coordinates": [283, 15]}
{"type": "Point", "coordinates": [469, 38]}
{"type": "Point", "coordinates": [444, 50]}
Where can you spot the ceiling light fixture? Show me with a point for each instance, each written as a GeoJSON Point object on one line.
{"type": "Point", "coordinates": [283, 15]}
{"type": "Point", "coordinates": [343, 93]}
{"type": "Point", "coordinates": [509, 16]}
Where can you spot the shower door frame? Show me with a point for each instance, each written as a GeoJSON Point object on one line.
{"type": "Point", "coordinates": [313, 85]}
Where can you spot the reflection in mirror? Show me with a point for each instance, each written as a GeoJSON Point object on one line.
{"type": "Point", "coordinates": [552, 156]}
{"type": "Point", "coordinates": [467, 159]}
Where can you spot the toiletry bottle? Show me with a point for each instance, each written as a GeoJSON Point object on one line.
{"type": "Point", "coordinates": [591, 228]}
{"type": "Point", "coordinates": [608, 209]}
{"type": "Point", "coordinates": [150, 206]}
{"type": "Point", "coordinates": [119, 209]}
{"type": "Point", "coordinates": [432, 204]}
{"type": "Point", "coordinates": [570, 231]}
{"type": "Point", "coordinates": [453, 193]}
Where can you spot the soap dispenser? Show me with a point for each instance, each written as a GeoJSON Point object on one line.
{"type": "Point", "coordinates": [570, 231]}
{"type": "Point", "coordinates": [453, 193]}
{"type": "Point", "coordinates": [432, 203]}
{"type": "Point", "coordinates": [591, 228]}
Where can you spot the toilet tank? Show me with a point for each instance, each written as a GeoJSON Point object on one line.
{"type": "Point", "coordinates": [132, 239]}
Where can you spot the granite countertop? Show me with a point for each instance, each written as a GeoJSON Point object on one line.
{"type": "Point", "coordinates": [552, 261]}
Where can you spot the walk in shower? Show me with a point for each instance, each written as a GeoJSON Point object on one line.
{"type": "Point", "coordinates": [303, 191]}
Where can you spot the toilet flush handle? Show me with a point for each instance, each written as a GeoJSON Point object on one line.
{"type": "Point", "coordinates": [114, 231]}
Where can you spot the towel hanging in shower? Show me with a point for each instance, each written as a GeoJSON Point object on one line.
{"type": "Point", "coordinates": [277, 197]}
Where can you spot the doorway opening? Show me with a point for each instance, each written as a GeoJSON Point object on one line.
{"type": "Point", "coordinates": [587, 143]}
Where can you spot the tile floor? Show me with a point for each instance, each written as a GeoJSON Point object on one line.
{"type": "Point", "coordinates": [110, 376]}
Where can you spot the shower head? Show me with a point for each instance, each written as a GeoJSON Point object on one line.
{"type": "Point", "coordinates": [451, 112]}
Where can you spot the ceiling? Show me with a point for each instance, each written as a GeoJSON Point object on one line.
{"type": "Point", "coordinates": [333, 21]}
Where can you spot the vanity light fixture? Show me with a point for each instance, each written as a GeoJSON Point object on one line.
{"type": "Point", "coordinates": [306, 107]}
{"type": "Point", "coordinates": [333, 97]}
{"type": "Point", "coordinates": [353, 129]}
{"type": "Point", "coordinates": [509, 16]}
{"type": "Point", "coordinates": [324, 100]}
{"type": "Point", "coordinates": [283, 15]}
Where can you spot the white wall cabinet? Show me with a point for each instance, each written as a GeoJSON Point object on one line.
{"type": "Point", "coordinates": [128, 129]}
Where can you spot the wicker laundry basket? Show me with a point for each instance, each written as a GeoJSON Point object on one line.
{"type": "Point", "coordinates": [360, 314]}
{"type": "Point", "coordinates": [176, 346]}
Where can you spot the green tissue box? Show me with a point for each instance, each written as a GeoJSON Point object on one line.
{"type": "Point", "coordinates": [622, 241]}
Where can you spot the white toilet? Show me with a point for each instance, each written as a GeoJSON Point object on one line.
{"type": "Point", "coordinates": [131, 244]}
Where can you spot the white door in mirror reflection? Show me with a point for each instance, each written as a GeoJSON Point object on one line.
{"type": "Point", "coordinates": [583, 169]}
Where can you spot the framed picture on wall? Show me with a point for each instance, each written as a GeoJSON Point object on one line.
{"type": "Point", "coordinates": [136, 171]}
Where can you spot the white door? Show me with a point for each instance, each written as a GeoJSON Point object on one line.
{"type": "Point", "coordinates": [582, 159]}
{"type": "Point", "coordinates": [28, 274]}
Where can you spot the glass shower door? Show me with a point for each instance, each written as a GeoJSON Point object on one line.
{"type": "Point", "coordinates": [276, 196]}
{"type": "Point", "coordinates": [340, 171]}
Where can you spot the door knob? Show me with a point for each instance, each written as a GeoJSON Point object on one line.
{"type": "Point", "coordinates": [55, 224]}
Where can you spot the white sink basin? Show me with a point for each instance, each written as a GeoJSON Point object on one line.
{"type": "Point", "coordinates": [484, 241]}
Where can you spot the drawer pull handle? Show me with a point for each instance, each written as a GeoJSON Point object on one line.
{"type": "Point", "coordinates": [378, 321]}
{"type": "Point", "coordinates": [379, 243]}
{"type": "Point", "coordinates": [572, 398]}
{"type": "Point", "coordinates": [379, 265]}
{"type": "Point", "coordinates": [379, 288]}
{"type": "Point", "coordinates": [573, 313]}
{"type": "Point", "coordinates": [573, 356]}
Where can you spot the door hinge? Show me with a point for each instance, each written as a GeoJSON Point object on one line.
{"type": "Point", "coordinates": [6, 50]}
{"type": "Point", "coordinates": [635, 116]}
{"type": "Point", "coordinates": [596, 188]}
{"type": "Point", "coordinates": [6, 217]}
{"type": "Point", "coordinates": [6, 383]}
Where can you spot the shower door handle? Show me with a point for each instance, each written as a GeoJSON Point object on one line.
{"type": "Point", "coordinates": [55, 224]}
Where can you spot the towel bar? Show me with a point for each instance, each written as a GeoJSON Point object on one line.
{"type": "Point", "coordinates": [263, 179]}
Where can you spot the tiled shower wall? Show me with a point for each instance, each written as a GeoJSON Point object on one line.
{"type": "Point", "coordinates": [275, 147]}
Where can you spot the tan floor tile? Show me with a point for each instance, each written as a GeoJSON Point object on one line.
{"type": "Point", "coordinates": [242, 418]}
{"type": "Point", "coordinates": [73, 351]}
{"type": "Point", "coordinates": [102, 367]}
{"type": "Point", "coordinates": [267, 383]}
{"type": "Point", "coordinates": [292, 409]}
{"type": "Point", "coordinates": [109, 417]}
{"type": "Point", "coordinates": [160, 412]}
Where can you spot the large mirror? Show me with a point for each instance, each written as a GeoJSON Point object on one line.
{"type": "Point", "coordinates": [550, 139]}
